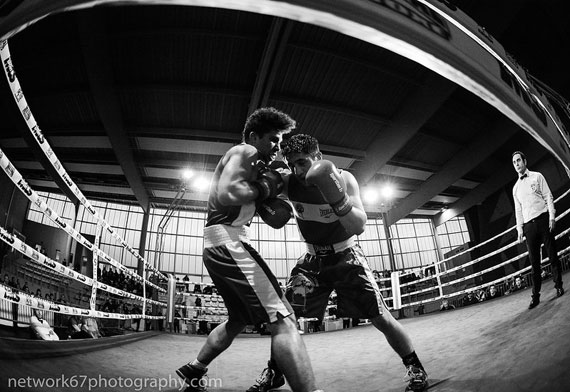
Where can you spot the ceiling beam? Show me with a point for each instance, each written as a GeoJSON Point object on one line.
{"type": "Point", "coordinates": [469, 157]}
{"type": "Point", "coordinates": [414, 112]}
{"type": "Point", "coordinates": [272, 55]}
{"type": "Point", "coordinates": [94, 38]}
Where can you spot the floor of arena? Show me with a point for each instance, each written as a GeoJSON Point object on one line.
{"type": "Point", "coordinates": [498, 345]}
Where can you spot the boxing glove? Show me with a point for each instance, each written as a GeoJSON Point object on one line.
{"type": "Point", "coordinates": [275, 212]}
{"type": "Point", "coordinates": [325, 176]}
{"type": "Point", "coordinates": [269, 184]}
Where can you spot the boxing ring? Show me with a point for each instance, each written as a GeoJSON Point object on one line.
{"type": "Point", "coordinates": [498, 345]}
{"type": "Point", "coordinates": [495, 345]}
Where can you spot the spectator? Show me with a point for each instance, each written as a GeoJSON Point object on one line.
{"type": "Point", "coordinates": [492, 292]}
{"type": "Point", "coordinates": [148, 322]}
{"type": "Point", "coordinates": [481, 295]}
{"type": "Point", "coordinates": [136, 322]}
{"type": "Point", "coordinates": [198, 304]}
{"type": "Point", "coordinates": [445, 305]}
{"type": "Point", "coordinates": [517, 285]}
{"type": "Point", "coordinates": [13, 283]}
{"type": "Point", "coordinates": [40, 328]}
{"type": "Point", "coordinates": [91, 326]}
{"type": "Point", "coordinates": [160, 320]}
{"type": "Point", "coordinates": [76, 330]}
{"type": "Point", "coordinates": [469, 299]}
{"type": "Point", "coordinates": [177, 317]}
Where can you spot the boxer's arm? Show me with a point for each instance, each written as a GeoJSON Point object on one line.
{"type": "Point", "coordinates": [355, 221]}
{"type": "Point", "coordinates": [340, 190]}
{"type": "Point", "coordinates": [235, 186]}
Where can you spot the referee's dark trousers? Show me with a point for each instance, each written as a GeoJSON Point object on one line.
{"type": "Point", "coordinates": [537, 232]}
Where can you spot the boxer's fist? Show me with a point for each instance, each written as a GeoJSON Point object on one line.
{"type": "Point", "coordinates": [269, 184]}
{"type": "Point", "coordinates": [275, 212]}
{"type": "Point", "coordinates": [325, 176]}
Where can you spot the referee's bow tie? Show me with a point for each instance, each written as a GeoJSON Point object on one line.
{"type": "Point", "coordinates": [523, 176]}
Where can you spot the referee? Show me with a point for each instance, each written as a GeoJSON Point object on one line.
{"type": "Point", "coordinates": [535, 213]}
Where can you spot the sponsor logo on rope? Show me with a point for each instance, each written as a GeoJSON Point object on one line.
{"type": "Point", "coordinates": [38, 134]}
{"type": "Point", "coordinates": [50, 263]}
{"type": "Point", "coordinates": [60, 222]}
{"type": "Point", "coordinates": [23, 185]}
{"type": "Point", "coordinates": [19, 95]}
{"type": "Point", "coordinates": [419, 14]}
{"type": "Point", "coordinates": [66, 179]}
{"type": "Point", "coordinates": [9, 238]}
{"type": "Point", "coordinates": [27, 113]}
{"type": "Point", "coordinates": [9, 69]}
{"type": "Point", "coordinates": [87, 244]}
{"type": "Point", "coordinates": [10, 169]}
{"type": "Point", "coordinates": [522, 92]}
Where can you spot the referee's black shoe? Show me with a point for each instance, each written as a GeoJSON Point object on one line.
{"type": "Point", "coordinates": [559, 292]}
{"type": "Point", "coordinates": [534, 302]}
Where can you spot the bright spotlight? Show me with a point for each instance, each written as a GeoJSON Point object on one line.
{"type": "Point", "coordinates": [187, 174]}
{"type": "Point", "coordinates": [201, 183]}
{"type": "Point", "coordinates": [369, 195]}
{"type": "Point", "coordinates": [387, 191]}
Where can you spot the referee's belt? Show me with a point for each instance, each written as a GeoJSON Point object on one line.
{"type": "Point", "coordinates": [543, 216]}
{"type": "Point", "coordinates": [218, 235]}
{"type": "Point", "coordinates": [319, 250]}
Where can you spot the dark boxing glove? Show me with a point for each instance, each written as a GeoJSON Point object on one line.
{"type": "Point", "coordinates": [269, 184]}
{"type": "Point", "coordinates": [325, 176]}
{"type": "Point", "coordinates": [275, 212]}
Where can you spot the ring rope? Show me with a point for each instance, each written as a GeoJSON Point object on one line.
{"type": "Point", "coordinates": [32, 195]}
{"type": "Point", "coordinates": [34, 129]}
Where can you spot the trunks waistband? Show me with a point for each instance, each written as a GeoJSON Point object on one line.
{"type": "Point", "coordinates": [330, 249]}
{"type": "Point", "coordinates": [218, 235]}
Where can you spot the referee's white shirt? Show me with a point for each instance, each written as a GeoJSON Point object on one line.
{"type": "Point", "coordinates": [532, 197]}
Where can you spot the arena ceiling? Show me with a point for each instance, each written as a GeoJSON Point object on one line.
{"type": "Point", "coordinates": [130, 96]}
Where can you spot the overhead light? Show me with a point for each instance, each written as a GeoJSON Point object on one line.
{"type": "Point", "coordinates": [187, 174]}
{"type": "Point", "coordinates": [201, 183]}
{"type": "Point", "coordinates": [369, 195]}
{"type": "Point", "coordinates": [387, 191]}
